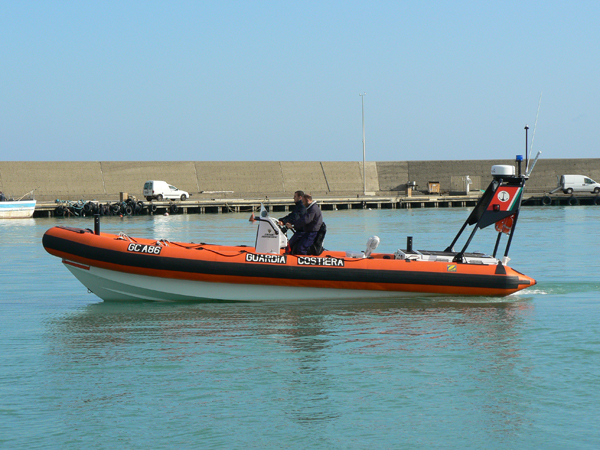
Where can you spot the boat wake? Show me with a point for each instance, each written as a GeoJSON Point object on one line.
{"type": "Point", "coordinates": [559, 288]}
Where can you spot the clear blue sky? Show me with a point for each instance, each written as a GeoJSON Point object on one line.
{"type": "Point", "coordinates": [280, 80]}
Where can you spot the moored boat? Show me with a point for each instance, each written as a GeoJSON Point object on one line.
{"type": "Point", "coordinates": [120, 267]}
{"type": "Point", "coordinates": [21, 209]}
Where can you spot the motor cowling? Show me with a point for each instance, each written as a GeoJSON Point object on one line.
{"type": "Point", "coordinates": [372, 244]}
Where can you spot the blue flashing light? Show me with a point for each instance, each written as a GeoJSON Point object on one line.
{"type": "Point", "coordinates": [519, 158]}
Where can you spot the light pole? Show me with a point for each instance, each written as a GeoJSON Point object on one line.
{"type": "Point", "coordinates": [362, 96]}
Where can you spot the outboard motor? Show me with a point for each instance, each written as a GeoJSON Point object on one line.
{"type": "Point", "coordinates": [372, 244]}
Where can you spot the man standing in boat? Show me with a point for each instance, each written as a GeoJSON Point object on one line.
{"type": "Point", "coordinates": [307, 226]}
{"type": "Point", "coordinates": [298, 211]}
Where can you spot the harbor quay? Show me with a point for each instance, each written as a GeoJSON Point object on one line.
{"type": "Point", "coordinates": [229, 186]}
{"type": "Point", "coordinates": [219, 206]}
{"type": "Point", "coordinates": [273, 205]}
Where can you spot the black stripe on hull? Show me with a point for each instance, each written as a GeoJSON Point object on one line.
{"type": "Point", "coordinates": [254, 270]}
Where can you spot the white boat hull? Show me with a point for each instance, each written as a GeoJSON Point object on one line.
{"type": "Point", "coordinates": [111, 285]}
{"type": "Point", "coordinates": [17, 210]}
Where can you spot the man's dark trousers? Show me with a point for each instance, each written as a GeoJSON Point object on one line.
{"type": "Point", "coordinates": [304, 239]}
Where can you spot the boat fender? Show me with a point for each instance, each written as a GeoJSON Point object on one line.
{"type": "Point", "coordinates": [174, 209]}
{"type": "Point", "coordinates": [546, 200]}
{"type": "Point", "coordinates": [597, 200]}
{"type": "Point", "coordinates": [573, 201]}
{"type": "Point", "coordinates": [152, 208]}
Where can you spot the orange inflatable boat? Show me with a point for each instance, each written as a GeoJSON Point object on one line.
{"type": "Point", "coordinates": [120, 267]}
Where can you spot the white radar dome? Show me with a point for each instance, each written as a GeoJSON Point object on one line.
{"type": "Point", "coordinates": [503, 171]}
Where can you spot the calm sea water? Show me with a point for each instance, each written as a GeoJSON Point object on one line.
{"type": "Point", "coordinates": [519, 372]}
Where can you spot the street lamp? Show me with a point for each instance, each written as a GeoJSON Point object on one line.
{"type": "Point", "coordinates": [362, 96]}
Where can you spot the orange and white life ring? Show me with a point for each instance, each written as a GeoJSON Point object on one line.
{"type": "Point", "coordinates": [505, 225]}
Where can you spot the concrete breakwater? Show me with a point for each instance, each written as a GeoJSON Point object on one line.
{"type": "Point", "coordinates": [208, 180]}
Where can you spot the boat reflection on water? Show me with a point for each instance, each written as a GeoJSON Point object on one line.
{"type": "Point", "coordinates": [306, 359]}
{"type": "Point", "coordinates": [192, 323]}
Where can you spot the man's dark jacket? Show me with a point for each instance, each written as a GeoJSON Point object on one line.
{"type": "Point", "coordinates": [311, 221]}
{"type": "Point", "coordinates": [298, 211]}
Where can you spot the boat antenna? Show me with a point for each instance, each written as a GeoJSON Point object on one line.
{"type": "Point", "coordinates": [526, 154]}
{"type": "Point", "coordinates": [533, 137]}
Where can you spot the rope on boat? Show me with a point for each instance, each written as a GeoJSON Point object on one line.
{"type": "Point", "coordinates": [187, 247]}
{"type": "Point", "coordinates": [350, 260]}
{"type": "Point", "coordinates": [241, 252]}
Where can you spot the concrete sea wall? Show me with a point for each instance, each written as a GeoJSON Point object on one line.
{"type": "Point", "coordinates": [104, 180]}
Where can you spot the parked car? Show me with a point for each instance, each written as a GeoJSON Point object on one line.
{"type": "Point", "coordinates": [578, 183]}
{"type": "Point", "coordinates": [160, 190]}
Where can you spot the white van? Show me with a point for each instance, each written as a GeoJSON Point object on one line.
{"type": "Point", "coordinates": [578, 183]}
{"type": "Point", "coordinates": [160, 190]}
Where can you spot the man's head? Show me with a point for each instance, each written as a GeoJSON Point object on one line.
{"type": "Point", "coordinates": [298, 196]}
{"type": "Point", "coordinates": [307, 199]}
